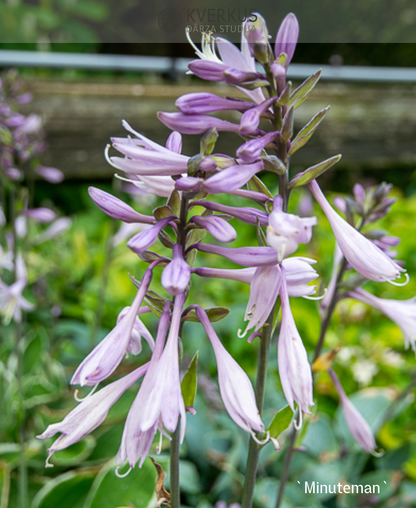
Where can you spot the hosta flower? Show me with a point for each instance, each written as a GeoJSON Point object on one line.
{"type": "Point", "coordinates": [357, 424]}
{"type": "Point", "coordinates": [365, 257]}
{"type": "Point", "coordinates": [106, 357]}
{"type": "Point", "coordinates": [235, 387]}
{"type": "Point", "coordinates": [177, 274]}
{"type": "Point", "coordinates": [89, 414]}
{"type": "Point", "coordinates": [12, 301]}
{"type": "Point", "coordinates": [402, 312]}
{"type": "Point", "coordinates": [294, 369]}
{"type": "Point", "coordinates": [138, 331]}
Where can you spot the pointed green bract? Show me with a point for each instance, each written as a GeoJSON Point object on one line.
{"type": "Point", "coordinates": [313, 172]}
{"type": "Point", "coordinates": [214, 314]}
{"type": "Point", "coordinates": [255, 184]}
{"type": "Point", "coordinates": [208, 140]}
{"type": "Point", "coordinates": [302, 92]}
{"type": "Point", "coordinates": [305, 134]}
{"type": "Point", "coordinates": [280, 422]}
{"type": "Point", "coordinates": [189, 383]}
{"type": "Point", "coordinates": [287, 131]}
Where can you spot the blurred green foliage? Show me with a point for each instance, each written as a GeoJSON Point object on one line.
{"type": "Point", "coordinates": [373, 366]}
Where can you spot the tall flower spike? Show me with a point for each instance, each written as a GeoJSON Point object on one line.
{"type": "Point", "coordinates": [106, 357]}
{"type": "Point", "coordinates": [402, 312]}
{"type": "Point", "coordinates": [294, 369]}
{"type": "Point", "coordinates": [357, 424]}
{"type": "Point", "coordinates": [235, 387]}
{"type": "Point", "coordinates": [365, 257]}
{"type": "Point", "coordinates": [89, 414]}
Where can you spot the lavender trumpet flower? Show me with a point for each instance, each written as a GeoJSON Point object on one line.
{"type": "Point", "coordinates": [137, 332]}
{"type": "Point", "coordinates": [218, 227]}
{"type": "Point", "coordinates": [401, 312]}
{"type": "Point", "coordinates": [365, 257]}
{"type": "Point", "coordinates": [251, 118]}
{"type": "Point", "coordinates": [235, 387]}
{"type": "Point", "coordinates": [116, 208]}
{"type": "Point", "coordinates": [89, 414]}
{"type": "Point", "coordinates": [294, 369]}
{"type": "Point", "coordinates": [243, 214]}
{"type": "Point", "coordinates": [195, 124]}
{"type": "Point", "coordinates": [244, 256]}
{"type": "Point", "coordinates": [12, 301]}
{"type": "Point", "coordinates": [106, 357]}
{"type": "Point", "coordinates": [357, 424]}
{"type": "Point", "coordinates": [177, 274]}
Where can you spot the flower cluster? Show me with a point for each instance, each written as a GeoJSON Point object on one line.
{"type": "Point", "coordinates": [270, 268]}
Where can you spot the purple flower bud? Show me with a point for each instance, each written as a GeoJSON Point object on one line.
{"type": "Point", "coordinates": [218, 227]}
{"type": "Point", "coordinates": [251, 118]}
{"type": "Point", "coordinates": [143, 240]}
{"type": "Point", "coordinates": [287, 38]}
{"type": "Point", "coordinates": [208, 70]}
{"type": "Point", "coordinates": [357, 424]}
{"type": "Point", "coordinates": [244, 256]}
{"type": "Point", "coordinates": [57, 228]}
{"type": "Point", "coordinates": [41, 214]}
{"type": "Point", "coordinates": [340, 203]}
{"type": "Point", "coordinates": [51, 175]}
{"type": "Point", "coordinates": [246, 214]}
{"type": "Point", "coordinates": [257, 37]}
{"type": "Point", "coordinates": [177, 274]}
{"type": "Point", "coordinates": [232, 178]}
{"type": "Point", "coordinates": [201, 103]}
{"type": "Point", "coordinates": [189, 184]}
{"type": "Point", "coordinates": [279, 75]}
{"type": "Point", "coordinates": [106, 357]}
{"type": "Point", "coordinates": [237, 76]}
{"type": "Point", "coordinates": [89, 414]}
{"type": "Point", "coordinates": [174, 142]}
{"type": "Point", "coordinates": [294, 369]}
{"type": "Point", "coordinates": [235, 387]}
{"type": "Point", "coordinates": [13, 174]}
{"type": "Point", "coordinates": [251, 150]}
{"type": "Point", "coordinates": [116, 208]}
{"type": "Point", "coordinates": [195, 124]}
{"type": "Point", "coordinates": [242, 275]}
{"type": "Point", "coordinates": [366, 258]}
{"type": "Point", "coordinates": [359, 193]}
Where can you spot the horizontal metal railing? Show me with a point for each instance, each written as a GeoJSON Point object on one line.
{"type": "Point", "coordinates": [158, 64]}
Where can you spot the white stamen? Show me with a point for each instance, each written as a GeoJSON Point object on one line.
{"type": "Point", "coordinates": [400, 284]}
{"type": "Point", "coordinates": [47, 463]}
{"type": "Point", "coordinates": [377, 454]}
{"type": "Point", "coordinates": [298, 424]}
{"type": "Point", "coordinates": [108, 159]}
{"type": "Point", "coordinates": [80, 399]}
{"type": "Point", "coordinates": [259, 441]}
{"type": "Point", "coordinates": [159, 448]}
{"type": "Point", "coordinates": [308, 297]}
{"type": "Point", "coordinates": [119, 475]}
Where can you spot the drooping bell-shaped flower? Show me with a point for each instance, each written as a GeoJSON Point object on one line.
{"type": "Point", "coordinates": [12, 301]}
{"type": "Point", "coordinates": [145, 239]}
{"type": "Point", "coordinates": [402, 312]}
{"type": "Point", "coordinates": [365, 257]}
{"type": "Point", "coordinates": [219, 228]}
{"type": "Point", "coordinates": [235, 387]}
{"type": "Point", "coordinates": [232, 178]}
{"type": "Point", "coordinates": [286, 231]}
{"type": "Point", "coordinates": [138, 331]}
{"type": "Point", "coordinates": [251, 118]}
{"type": "Point", "coordinates": [90, 413]}
{"type": "Point", "coordinates": [106, 357]}
{"type": "Point", "coordinates": [357, 424]}
{"type": "Point", "coordinates": [294, 369]}
{"type": "Point", "coordinates": [177, 274]}
{"type": "Point", "coordinates": [251, 150]}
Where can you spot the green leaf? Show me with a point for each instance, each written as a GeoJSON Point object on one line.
{"type": "Point", "coordinates": [313, 172]}
{"type": "Point", "coordinates": [66, 491]}
{"type": "Point", "coordinates": [136, 490]}
{"type": "Point", "coordinates": [32, 354]}
{"type": "Point", "coordinates": [302, 92]}
{"type": "Point", "coordinates": [4, 484]}
{"type": "Point", "coordinates": [189, 383]}
{"type": "Point", "coordinates": [190, 257]}
{"type": "Point", "coordinates": [255, 184]}
{"type": "Point", "coordinates": [288, 121]}
{"type": "Point", "coordinates": [214, 314]}
{"type": "Point", "coordinates": [75, 453]}
{"type": "Point", "coordinates": [280, 422]}
{"type": "Point", "coordinates": [155, 301]}
{"type": "Point", "coordinates": [196, 236]}
{"type": "Point", "coordinates": [305, 134]}
{"type": "Point", "coordinates": [174, 202]}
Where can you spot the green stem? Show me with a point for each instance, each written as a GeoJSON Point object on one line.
{"type": "Point", "coordinates": [23, 476]}
{"type": "Point", "coordinates": [175, 492]}
{"type": "Point", "coordinates": [255, 448]}
{"type": "Point", "coordinates": [286, 466]}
